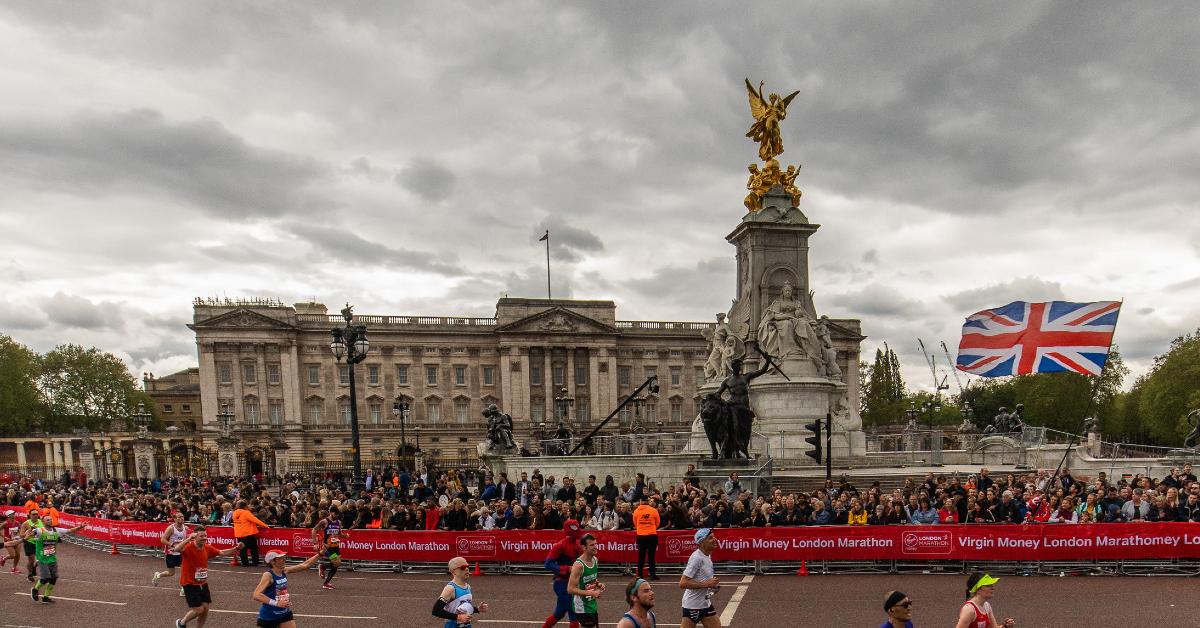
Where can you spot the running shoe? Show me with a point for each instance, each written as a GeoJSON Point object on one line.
{"type": "Point", "coordinates": [179, 623]}
{"type": "Point", "coordinates": [29, 577]}
{"type": "Point", "coordinates": [33, 593]}
{"type": "Point", "coordinates": [327, 586]}
{"type": "Point", "coordinates": [14, 570]}
{"type": "Point", "coordinates": [47, 600]}
{"type": "Point", "coordinates": [154, 579]}
{"type": "Point", "coordinates": [181, 594]}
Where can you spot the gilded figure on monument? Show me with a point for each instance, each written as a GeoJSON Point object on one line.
{"type": "Point", "coordinates": [767, 112]}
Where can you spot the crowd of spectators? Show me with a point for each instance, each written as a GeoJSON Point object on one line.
{"type": "Point", "coordinates": [466, 499]}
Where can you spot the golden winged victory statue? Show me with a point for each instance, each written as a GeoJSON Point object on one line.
{"type": "Point", "coordinates": [767, 114]}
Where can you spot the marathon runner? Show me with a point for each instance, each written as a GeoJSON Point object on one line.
{"type": "Point", "coordinates": [272, 590]}
{"type": "Point", "coordinates": [9, 532]}
{"type": "Point", "coordinates": [172, 536]}
{"type": "Point", "coordinates": [456, 604]}
{"type": "Point", "coordinates": [45, 543]}
{"type": "Point", "coordinates": [193, 574]}
{"type": "Point", "coordinates": [584, 584]}
{"type": "Point", "coordinates": [977, 611]}
{"type": "Point", "coordinates": [560, 560]}
{"type": "Point", "coordinates": [641, 599]}
{"type": "Point", "coordinates": [31, 523]}
{"type": "Point", "coordinates": [699, 584]}
{"type": "Point", "coordinates": [328, 534]}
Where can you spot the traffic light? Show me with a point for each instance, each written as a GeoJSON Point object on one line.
{"type": "Point", "coordinates": [815, 440]}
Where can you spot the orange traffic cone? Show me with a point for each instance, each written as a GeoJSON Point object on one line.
{"type": "Point", "coordinates": [803, 571]}
{"type": "Point", "coordinates": [114, 551]}
{"type": "Point", "coordinates": [477, 572]}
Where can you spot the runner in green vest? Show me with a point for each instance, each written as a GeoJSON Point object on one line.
{"type": "Point", "coordinates": [45, 544]}
{"type": "Point", "coordinates": [584, 585]}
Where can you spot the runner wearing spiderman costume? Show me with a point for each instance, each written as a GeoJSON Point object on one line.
{"type": "Point", "coordinates": [559, 562]}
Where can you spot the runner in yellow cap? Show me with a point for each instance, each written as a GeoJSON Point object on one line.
{"type": "Point", "coordinates": [977, 611]}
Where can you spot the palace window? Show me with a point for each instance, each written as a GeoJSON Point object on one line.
{"type": "Point", "coordinates": [649, 371]}
{"type": "Point", "coordinates": [462, 411]}
{"type": "Point", "coordinates": [489, 375]}
{"type": "Point", "coordinates": [167, 409]}
{"type": "Point", "coordinates": [460, 376]}
{"type": "Point", "coordinates": [344, 375]}
{"type": "Point", "coordinates": [433, 410]}
{"type": "Point", "coordinates": [401, 374]}
{"type": "Point", "coordinates": [431, 375]}
{"type": "Point", "coordinates": [581, 375]}
{"type": "Point", "coordinates": [373, 374]}
{"type": "Point", "coordinates": [273, 374]}
{"type": "Point", "coordinates": [559, 376]}
{"type": "Point", "coordinates": [624, 375]}
{"type": "Point", "coordinates": [314, 374]}
{"type": "Point", "coordinates": [249, 374]}
{"type": "Point", "coordinates": [275, 411]}
{"type": "Point", "coordinates": [535, 375]}
{"type": "Point", "coordinates": [250, 409]}
{"type": "Point", "coordinates": [225, 373]}
{"type": "Point", "coordinates": [676, 375]}
{"type": "Point", "coordinates": [344, 406]}
{"type": "Point", "coordinates": [699, 375]}
{"type": "Point", "coordinates": [376, 413]}
{"type": "Point", "coordinates": [314, 412]}
{"type": "Point", "coordinates": [676, 411]}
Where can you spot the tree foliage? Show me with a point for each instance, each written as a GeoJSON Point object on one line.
{"type": "Point", "coordinates": [86, 387]}
{"type": "Point", "coordinates": [20, 402]}
{"type": "Point", "coordinates": [1168, 392]}
{"type": "Point", "coordinates": [882, 392]}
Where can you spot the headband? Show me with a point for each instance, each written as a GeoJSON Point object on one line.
{"type": "Point", "coordinates": [637, 584]}
{"type": "Point", "coordinates": [893, 600]}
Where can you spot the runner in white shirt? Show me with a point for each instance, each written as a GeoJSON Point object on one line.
{"type": "Point", "coordinates": [172, 536]}
{"type": "Point", "coordinates": [699, 584]}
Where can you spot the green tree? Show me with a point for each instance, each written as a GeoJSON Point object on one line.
{"type": "Point", "coordinates": [21, 404]}
{"type": "Point", "coordinates": [87, 387]}
{"type": "Point", "coordinates": [882, 390]}
{"type": "Point", "coordinates": [1170, 390]}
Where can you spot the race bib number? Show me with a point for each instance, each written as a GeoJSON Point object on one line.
{"type": "Point", "coordinates": [201, 574]}
{"type": "Point", "coordinates": [48, 549]}
{"type": "Point", "coordinates": [282, 599]}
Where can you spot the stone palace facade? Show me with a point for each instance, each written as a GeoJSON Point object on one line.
{"type": "Point", "coordinates": [272, 366]}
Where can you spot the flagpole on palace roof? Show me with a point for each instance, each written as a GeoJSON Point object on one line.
{"type": "Point", "coordinates": [546, 238]}
{"type": "Point", "coordinates": [1091, 402]}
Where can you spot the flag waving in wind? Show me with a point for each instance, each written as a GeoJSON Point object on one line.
{"type": "Point", "coordinates": [1022, 338]}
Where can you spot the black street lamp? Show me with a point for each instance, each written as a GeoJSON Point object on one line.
{"type": "Point", "coordinates": [400, 409]}
{"type": "Point", "coordinates": [350, 342]}
{"type": "Point", "coordinates": [142, 419]}
{"type": "Point", "coordinates": [930, 408]}
{"type": "Point", "coordinates": [562, 405]}
{"type": "Point", "coordinates": [225, 416]}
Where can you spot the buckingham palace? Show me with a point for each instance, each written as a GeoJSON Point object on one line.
{"type": "Point", "coordinates": [267, 371]}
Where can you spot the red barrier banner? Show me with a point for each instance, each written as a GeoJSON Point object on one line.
{"type": "Point", "coordinates": [1029, 542]}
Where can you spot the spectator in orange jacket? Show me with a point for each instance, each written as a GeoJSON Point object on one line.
{"type": "Point", "coordinates": [245, 530]}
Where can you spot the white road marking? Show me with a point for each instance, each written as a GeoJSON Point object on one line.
{"type": "Point", "coordinates": [735, 601]}
{"type": "Point", "coordinates": [219, 610]}
{"type": "Point", "coordinates": [531, 622]}
{"type": "Point", "coordinates": [75, 599]}
{"type": "Point", "coordinates": [19, 626]}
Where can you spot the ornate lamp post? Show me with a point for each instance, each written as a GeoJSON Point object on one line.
{"type": "Point", "coordinates": [563, 403]}
{"type": "Point", "coordinates": [400, 409]}
{"type": "Point", "coordinates": [930, 408]}
{"type": "Point", "coordinates": [350, 343]}
{"type": "Point", "coordinates": [225, 416]}
{"type": "Point", "coordinates": [141, 418]}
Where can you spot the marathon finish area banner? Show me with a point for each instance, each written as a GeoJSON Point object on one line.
{"type": "Point", "coordinates": [1030, 542]}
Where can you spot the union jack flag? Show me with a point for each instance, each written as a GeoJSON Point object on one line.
{"type": "Point", "coordinates": [1022, 338]}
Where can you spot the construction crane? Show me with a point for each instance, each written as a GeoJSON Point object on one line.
{"type": "Point", "coordinates": [954, 370]}
{"type": "Point", "coordinates": [938, 387]}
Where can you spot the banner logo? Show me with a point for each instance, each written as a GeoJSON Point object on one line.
{"type": "Point", "coordinates": [476, 546]}
{"type": "Point", "coordinates": [927, 542]}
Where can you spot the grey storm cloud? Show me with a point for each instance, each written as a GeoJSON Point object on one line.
{"type": "Point", "coordinates": [71, 310]}
{"type": "Point", "coordinates": [874, 300]}
{"type": "Point", "coordinates": [22, 317]}
{"type": "Point", "coordinates": [568, 243]}
{"type": "Point", "coordinates": [342, 244]}
{"type": "Point", "coordinates": [995, 295]}
{"type": "Point", "coordinates": [199, 162]}
{"type": "Point", "coordinates": [427, 179]}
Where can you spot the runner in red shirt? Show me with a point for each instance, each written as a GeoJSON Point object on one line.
{"type": "Point", "coordinates": [977, 611]}
{"type": "Point", "coordinates": [193, 574]}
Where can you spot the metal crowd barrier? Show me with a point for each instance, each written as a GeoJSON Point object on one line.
{"type": "Point", "coordinates": [1179, 567]}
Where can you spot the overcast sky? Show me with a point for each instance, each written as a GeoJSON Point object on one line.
{"type": "Point", "coordinates": [407, 156]}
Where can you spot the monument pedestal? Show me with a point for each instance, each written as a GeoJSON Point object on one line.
{"type": "Point", "coordinates": [87, 461]}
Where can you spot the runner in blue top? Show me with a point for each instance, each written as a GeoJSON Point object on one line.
{"type": "Point", "coordinates": [456, 604]}
{"type": "Point", "coordinates": [641, 599]}
{"type": "Point", "coordinates": [272, 591]}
